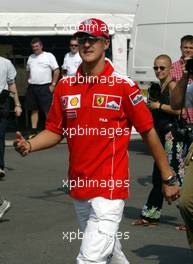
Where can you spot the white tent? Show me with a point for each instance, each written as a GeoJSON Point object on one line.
{"type": "Point", "coordinates": [60, 17]}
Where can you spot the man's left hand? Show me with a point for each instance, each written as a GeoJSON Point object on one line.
{"type": "Point", "coordinates": [171, 192]}
{"type": "Point", "coordinates": [154, 105]}
{"type": "Point", "coordinates": [52, 87]}
{"type": "Point", "coordinates": [18, 110]}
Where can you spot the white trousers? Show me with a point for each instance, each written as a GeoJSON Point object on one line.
{"type": "Point", "coordinates": [99, 220]}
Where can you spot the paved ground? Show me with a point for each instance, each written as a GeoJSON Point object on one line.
{"type": "Point", "coordinates": [32, 232]}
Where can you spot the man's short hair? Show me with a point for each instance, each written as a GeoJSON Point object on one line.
{"type": "Point", "coordinates": [73, 38]}
{"type": "Point", "coordinates": [36, 40]}
{"type": "Point", "coordinates": [165, 57]}
{"type": "Point", "coordinates": [187, 38]}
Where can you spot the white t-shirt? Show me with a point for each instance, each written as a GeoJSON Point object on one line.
{"type": "Point", "coordinates": [71, 63]}
{"type": "Point", "coordinates": [41, 67]}
{"type": "Point", "coordinates": [189, 96]}
{"type": "Point", "coordinates": [7, 73]}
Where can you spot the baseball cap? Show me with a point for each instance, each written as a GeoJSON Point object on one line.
{"type": "Point", "coordinates": [94, 27]}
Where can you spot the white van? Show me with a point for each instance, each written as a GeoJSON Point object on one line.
{"type": "Point", "coordinates": [158, 28]}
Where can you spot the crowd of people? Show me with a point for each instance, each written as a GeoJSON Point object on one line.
{"type": "Point", "coordinates": [93, 104]}
{"type": "Point", "coordinates": [42, 72]}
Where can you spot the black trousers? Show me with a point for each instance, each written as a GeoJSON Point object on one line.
{"type": "Point", "coordinates": [155, 197]}
{"type": "Point", "coordinates": [174, 150]}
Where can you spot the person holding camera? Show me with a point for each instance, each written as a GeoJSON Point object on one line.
{"type": "Point", "coordinates": [186, 47]}
{"type": "Point", "coordinates": [165, 120]}
{"type": "Point", "coordinates": [7, 85]}
{"type": "Point", "coordinates": [183, 95]}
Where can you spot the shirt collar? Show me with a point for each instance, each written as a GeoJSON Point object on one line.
{"type": "Point", "coordinates": [182, 60]}
{"type": "Point", "coordinates": [103, 76]}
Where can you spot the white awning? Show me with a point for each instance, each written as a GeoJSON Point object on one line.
{"type": "Point", "coordinates": [57, 24]}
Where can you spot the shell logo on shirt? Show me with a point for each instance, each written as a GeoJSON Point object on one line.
{"type": "Point", "coordinates": [71, 101]}
{"type": "Point", "coordinates": [74, 101]}
{"type": "Point", "coordinates": [112, 102]}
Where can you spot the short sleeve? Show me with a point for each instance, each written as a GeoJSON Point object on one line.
{"type": "Point", "coordinates": [64, 65]}
{"type": "Point", "coordinates": [11, 73]}
{"type": "Point", "coordinates": [53, 62]}
{"type": "Point", "coordinates": [55, 121]}
{"type": "Point", "coordinates": [135, 108]}
{"type": "Point", "coordinates": [28, 65]}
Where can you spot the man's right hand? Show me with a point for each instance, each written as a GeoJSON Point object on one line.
{"type": "Point", "coordinates": [21, 145]}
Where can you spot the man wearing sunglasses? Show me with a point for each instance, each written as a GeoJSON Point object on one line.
{"type": "Point", "coordinates": [72, 59]}
{"type": "Point", "coordinates": [98, 158]}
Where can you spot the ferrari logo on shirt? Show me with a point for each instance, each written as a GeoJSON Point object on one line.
{"type": "Point", "coordinates": [100, 100]}
{"type": "Point", "coordinates": [106, 101]}
{"type": "Point", "coordinates": [71, 101]}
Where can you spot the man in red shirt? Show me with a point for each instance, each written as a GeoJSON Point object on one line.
{"type": "Point", "coordinates": [95, 110]}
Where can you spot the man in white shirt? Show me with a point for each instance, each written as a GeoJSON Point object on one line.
{"type": "Point", "coordinates": [7, 85]}
{"type": "Point", "coordinates": [43, 72]}
{"type": "Point", "coordinates": [72, 59]}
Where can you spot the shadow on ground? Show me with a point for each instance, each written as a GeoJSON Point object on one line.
{"type": "Point", "coordinates": [165, 254]}
{"type": "Point", "coordinates": [134, 213]}
{"type": "Point", "coordinates": [144, 181]}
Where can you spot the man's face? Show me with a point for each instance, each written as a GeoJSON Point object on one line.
{"type": "Point", "coordinates": [162, 68]}
{"type": "Point", "coordinates": [37, 48]}
{"type": "Point", "coordinates": [74, 46]}
{"type": "Point", "coordinates": [91, 48]}
{"type": "Point", "coordinates": [187, 49]}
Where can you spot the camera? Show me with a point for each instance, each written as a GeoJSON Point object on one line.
{"type": "Point", "coordinates": [154, 92]}
{"type": "Point", "coordinates": [189, 66]}
{"type": "Point", "coordinates": [185, 133]}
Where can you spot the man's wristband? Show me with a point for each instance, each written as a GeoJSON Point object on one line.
{"type": "Point", "coordinates": [30, 147]}
{"type": "Point", "coordinates": [160, 106]}
{"type": "Point", "coordinates": [171, 180]}
{"type": "Point", "coordinates": [18, 105]}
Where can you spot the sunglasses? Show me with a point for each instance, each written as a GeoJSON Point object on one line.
{"type": "Point", "coordinates": [73, 45]}
{"type": "Point", "coordinates": [91, 40]}
{"type": "Point", "coordinates": [162, 68]}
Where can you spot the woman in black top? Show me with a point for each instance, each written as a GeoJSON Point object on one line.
{"type": "Point", "coordinates": [165, 123]}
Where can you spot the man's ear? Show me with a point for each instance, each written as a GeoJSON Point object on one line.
{"type": "Point", "coordinates": [107, 43]}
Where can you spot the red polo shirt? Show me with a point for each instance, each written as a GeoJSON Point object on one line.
{"type": "Point", "coordinates": [96, 115]}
